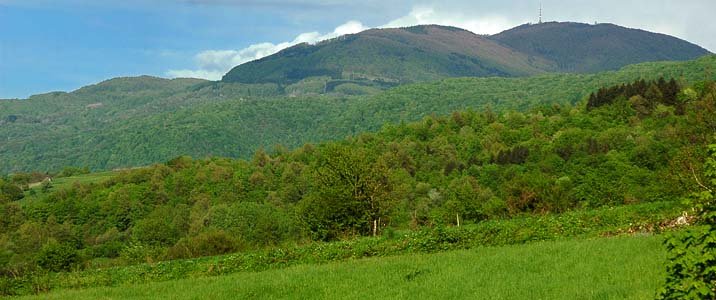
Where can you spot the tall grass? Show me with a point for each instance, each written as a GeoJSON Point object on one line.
{"type": "Point", "coordinates": [599, 268]}
{"type": "Point", "coordinates": [577, 224]}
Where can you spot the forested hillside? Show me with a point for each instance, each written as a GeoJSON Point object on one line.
{"type": "Point", "coordinates": [464, 168]}
{"type": "Point", "coordinates": [319, 156]}
{"type": "Point", "coordinates": [118, 123]}
{"type": "Point", "coordinates": [391, 55]}
{"type": "Point", "coordinates": [430, 52]}
{"type": "Point", "coordinates": [584, 48]}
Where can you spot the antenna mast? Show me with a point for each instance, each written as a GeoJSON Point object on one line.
{"type": "Point", "coordinates": [540, 13]}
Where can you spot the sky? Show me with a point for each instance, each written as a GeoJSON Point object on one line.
{"type": "Point", "coordinates": [62, 45]}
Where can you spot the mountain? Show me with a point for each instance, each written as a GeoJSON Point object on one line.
{"type": "Point", "coordinates": [118, 123]}
{"type": "Point", "coordinates": [429, 52]}
{"type": "Point", "coordinates": [394, 55]}
{"type": "Point", "coordinates": [478, 169]}
{"type": "Point", "coordinates": [585, 48]}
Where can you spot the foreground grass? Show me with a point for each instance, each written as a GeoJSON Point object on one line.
{"type": "Point", "coordinates": [583, 224]}
{"type": "Point", "coordinates": [599, 268]}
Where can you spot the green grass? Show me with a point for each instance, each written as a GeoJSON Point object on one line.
{"type": "Point", "coordinates": [66, 182]}
{"type": "Point", "coordinates": [85, 178]}
{"type": "Point", "coordinates": [579, 225]}
{"type": "Point", "coordinates": [601, 268]}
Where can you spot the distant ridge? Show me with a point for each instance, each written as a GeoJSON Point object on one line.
{"type": "Point", "coordinates": [399, 55]}
{"type": "Point", "coordinates": [430, 52]}
{"type": "Point", "coordinates": [585, 48]}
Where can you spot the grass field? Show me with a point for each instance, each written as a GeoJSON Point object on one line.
{"type": "Point", "coordinates": [65, 182]}
{"type": "Point", "coordinates": [600, 268]}
{"type": "Point", "coordinates": [85, 178]}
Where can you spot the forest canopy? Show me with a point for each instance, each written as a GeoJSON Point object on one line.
{"type": "Point", "coordinates": [462, 168]}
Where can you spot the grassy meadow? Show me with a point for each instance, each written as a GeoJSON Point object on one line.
{"type": "Point", "coordinates": [35, 189]}
{"type": "Point", "coordinates": [97, 177]}
{"type": "Point", "coordinates": [627, 267]}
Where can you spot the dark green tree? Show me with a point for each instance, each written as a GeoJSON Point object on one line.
{"type": "Point", "coordinates": [353, 190]}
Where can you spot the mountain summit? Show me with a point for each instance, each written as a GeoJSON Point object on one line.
{"type": "Point", "coordinates": [397, 55]}
{"type": "Point", "coordinates": [585, 48]}
{"type": "Point", "coordinates": [430, 52]}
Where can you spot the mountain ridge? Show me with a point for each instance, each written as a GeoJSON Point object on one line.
{"type": "Point", "coordinates": [430, 52]}
{"type": "Point", "coordinates": [419, 53]}
{"type": "Point", "coordinates": [587, 48]}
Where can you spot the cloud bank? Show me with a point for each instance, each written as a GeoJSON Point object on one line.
{"type": "Point", "coordinates": [213, 64]}
{"type": "Point", "coordinates": [484, 24]}
{"type": "Point", "coordinates": [486, 18]}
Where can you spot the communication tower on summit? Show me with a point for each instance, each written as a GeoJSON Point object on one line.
{"type": "Point", "coordinates": [540, 14]}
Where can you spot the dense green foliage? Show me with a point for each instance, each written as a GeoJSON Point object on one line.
{"type": "Point", "coordinates": [571, 269]}
{"type": "Point", "coordinates": [453, 164]}
{"type": "Point", "coordinates": [641, 218]}
{"type": "Point", "coordinates": [692, 254]}
{"type": "Point", "coordinates": [583, 48]}
{"type": "Point", "coordinates": [649, 95]}
{"type": "Point", "coordinates": [461, 169]}
{"type": "Point", "coordinates": [135, 126]}
{"type": "Point", "coordinates": [10, 191]}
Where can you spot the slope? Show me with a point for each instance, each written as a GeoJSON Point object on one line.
{"type": "Point", "coordinates": [584, 48]}
{"type": "Point", "coordinates": [387, 57]}
{"type": "Point", "coordinates": [396, 55]}
{"type": "Point", "coordinates": [232, 119]}
{"type": "Point", "coordinates": [569, 269]}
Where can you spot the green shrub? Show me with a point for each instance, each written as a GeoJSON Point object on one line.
{"type": "Point", "coordinates": [140, 253]}
{"type": "Point", "coordinates": [209, 243]}
{"type": "Point", "coordinates": [692, 254]}
{"type": "Point", "coordinates": [73, 171]}
{"type": "Point", "coordinates": [10, 192]}
{"type": "Point", "coordinates": [57, 257]}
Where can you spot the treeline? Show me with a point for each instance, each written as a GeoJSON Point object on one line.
{"type": "Point", "coordinates": [652, 92]}
{"type": "Point", "coordinates": [458, 169]}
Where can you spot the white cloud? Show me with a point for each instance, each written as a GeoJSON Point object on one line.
{"type": "Point", "coordinates": [347, 28]}
{"type": "Point", "coordinates": [204, 74]}
{"type": "Point", "coordinates": [476, 16]}
{"type": "Point", "coordinates": [213, 64]}
{"type": "Point", "coordinates": [480, 24]}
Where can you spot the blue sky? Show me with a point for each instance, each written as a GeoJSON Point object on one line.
{"type": "Point", "coordinates": [49, 45]}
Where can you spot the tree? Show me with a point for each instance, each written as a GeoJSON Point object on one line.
{"type": "Point", "coordinates": [162, 227]}
{"type": "Point", "coordinates": [641, 105]}
{"type": "Point", "coordinates": [57, 257]}
{"type": "Point", "coordinates": [352, 191]}
{"type": "Point", "coordinates": [465, 198]}
{"type": "Point", "coordinates": [10, 192]}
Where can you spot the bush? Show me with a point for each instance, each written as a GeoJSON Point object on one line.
{"type": "Point", "coordinates": [57, 257]}
{"type": "Point", "coordinates": [10, 192]}
{"type": "Point", "coordinates": [140, 253]}
{"type": "Point", "coordinates": [73, 171]}
{"type": "Point", "coordinates": [692, 255]}
{"type": "Point", "coordinates": [213, 242]}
